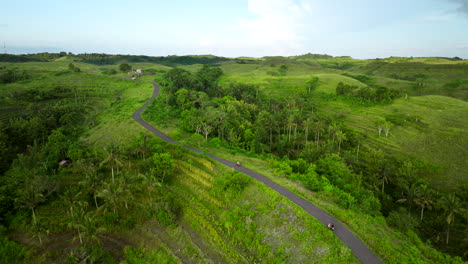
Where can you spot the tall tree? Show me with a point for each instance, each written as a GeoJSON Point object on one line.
{"type": "Point", "coordinates": [163, 165]}
{"type": "Point", "coordinates": [70, 197]}
{"type": "Point", "coordinates": [312, 84]}
{"type": "Point", "coordinates": [451, 206]}
{"type": "Point", "coordinates": [112, 159]}
{"type": "Point", "coordinates": [34, 191]}
{"type": "Point", "coordinates": [307, 125]}
{"type": "Point", "coordinates": [340, 136]}
{"type": "Point", "coordinates": [125, 67]}
{"type": "Point", "coordinates": [386, 127]}
{"type": "Point", "coordinates": [319, 126]}
{"type": "Point", "coordinates": [112, 194]}
{"type": "Point", "coordinates": [425, 199]}
{"type": "Point", "coordinates": [411, 192]}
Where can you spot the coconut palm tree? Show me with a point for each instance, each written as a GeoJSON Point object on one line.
{"type": "Point", "coordinates": [34, 191]}
{"type": "Point", "coordinates": [340, 136]}
{"type": "Point", "coordinates": [112, 159]}
{"type": "Point", "coordinates": [76, 222]}
{"type": "Point", "coordinates": [90, 229]}
{"type": "Point", "coordinates": [411, 192]}
{"type": "Point", "coordinates": [111, 194]}
{"type": "Point", "coordinates": [307, 124]}
{"type": "Point", "coordinates": [332, 129]}
{"type": "Point", "coordinates": [425, 200]}
{"type": "Point", "coordinates": [70, 197]}
{"type": "Point", "coordinates": [318, 125]}
{"type": "Point", "coordinates": [92, 182]}
{"type": "Point", "coordinates": [451, 205]}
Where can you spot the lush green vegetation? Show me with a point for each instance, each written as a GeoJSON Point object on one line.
{"type": "Point", "coordinates": [123, 195]}
{"type": "Point", "coordinates": [321, 151]}
{"type": "Point", "coordinates": [349, 135]}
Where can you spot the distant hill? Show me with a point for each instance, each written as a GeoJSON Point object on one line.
{"type": "Point", "coordinates": [17, 58]}
{"type": "Point", "coordinates": [104, 59]}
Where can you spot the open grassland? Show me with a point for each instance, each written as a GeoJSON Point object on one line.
{"type": "Point", "coordinates": [280, 86]}
{"type": "Point", "coordinates": [116, 125]}
{"type": "Point", "coordinates": [430, 127]}
{"type": "Point", "coordinates": [427, 60]}
{"type": "Point", "coordinates": [449, 79]}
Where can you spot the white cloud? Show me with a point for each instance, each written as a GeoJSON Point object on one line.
{"type": "Point", "coordinates": [206, 42]}
{"type": "Point", "coordinates": [275, 28]}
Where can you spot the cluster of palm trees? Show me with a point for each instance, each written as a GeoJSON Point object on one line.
{"type": "Point", "coordinates": [426, 198]}
{"type": "Point", "coordinates": [96, 190]}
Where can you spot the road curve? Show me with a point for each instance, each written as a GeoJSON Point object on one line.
{"type": "Point", "coordinates": [359, 249]}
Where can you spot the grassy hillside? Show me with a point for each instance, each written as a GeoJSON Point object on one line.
{"type": "Point", "coordinates": [222, 217]}
{"type": "Point", "coordinates": [204, 212]}
{"type": "Point", "coordinates": [429, 127]}
{"type": "Point", "coordinates": [430, 76]}
{"type": "Point", "coordinates": [374, 230]}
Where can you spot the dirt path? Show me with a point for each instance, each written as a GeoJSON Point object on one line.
{"type": "Point", "coordinates": [359, 249]}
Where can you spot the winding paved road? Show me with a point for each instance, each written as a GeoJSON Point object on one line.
{"type": "Point", "coordinates": [359, 249]}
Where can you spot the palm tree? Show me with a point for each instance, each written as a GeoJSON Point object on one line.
{"type": "Point", "coordinates": [113, 195]}
{"type": "Point", "coordinates": [425, 200]}
{"type": "Point", "coordinates": [130, 184]}
{"type": "Point", "coordinates": [76, 222]}
{"type": "Point", "coordinates": [142, 144]}
{"type": "Point", "coordinates": [112, 159]}
{"type": "Point", "coordinates": [290, 123]}
{"type": "Point", "coordinates": [340, 136]}
{"type": "Point", "coordinates": [332, 129]}
{"type": "Point", "coordinates": [318, 129]}
{"type": "Point", "coordinates": [385, 178]}
{"type": "Point", "coordinates": [307, 124]}
{"type": "Point", "coordinates": [70, 197]}
{"type": "Point", "coordinates": [34, 191]}
{"type": "Point", "coordinates": [38, 228]}
{"type": "Point", "coordinates": [451, 205]}
{"type": "Point", "coordinates": [90, 229]}
{"type": "Point", "coordinates": [91, 182]}
{"type": "Point", "coordinates": [411, 192]}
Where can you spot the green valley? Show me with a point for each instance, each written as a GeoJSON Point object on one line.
{"type": "Point", "coordinates": [380, 145]}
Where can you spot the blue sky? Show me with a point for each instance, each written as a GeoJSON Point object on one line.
{"type": "Point", "coordinates": [232, 28]}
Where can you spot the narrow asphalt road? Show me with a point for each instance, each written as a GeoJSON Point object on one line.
{"type": "Point", "coordinates": [359, 249]}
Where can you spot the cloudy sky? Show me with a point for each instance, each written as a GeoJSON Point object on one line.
{"type": "Point", "coordinates": [358, 28]}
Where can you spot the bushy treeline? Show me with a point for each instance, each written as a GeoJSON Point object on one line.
{"type": "Point", "coordinates": [373, 94]}
{"type": "Point", "coordinates": [17, 58]}
{"type": "Point", "coordinates": [317, 150]}
{"type": "Point", "coordinates": [35, 124]}
{"type": "Point", "coordinates": [105, 59]}
{"type": "Point", "coordinates": [360, 77]}
{"type": "Point", "coordinates": [42, 57]}
{"type": "Point", "coordinates": [13, 75]}
{"type": "Point", "coordinates": [100, 191]}
{"type": "Point", "coordinates": [52, 183]}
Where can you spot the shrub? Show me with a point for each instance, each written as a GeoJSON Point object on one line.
{"type": "Point", "coordinates": [11, 252]}
{"type": "Point", "coordinates": [233, 183]}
